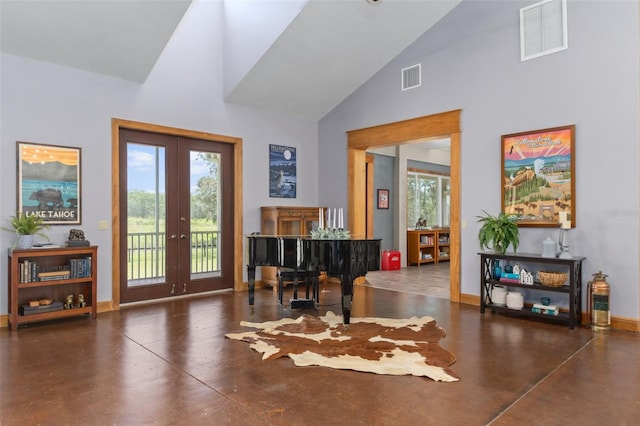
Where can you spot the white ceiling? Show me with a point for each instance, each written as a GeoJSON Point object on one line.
{"type": "Point", "coordinates": [327, 52]}
{"type": "Point", "coordinates": [119, 38]}
{"type": "Point", "coordinates": [332, 48]}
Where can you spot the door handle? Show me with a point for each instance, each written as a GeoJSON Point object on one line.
{"type": "Point", "coordinates": [173, 236]}
{"type": "Point", "coordinates": [182, 236]}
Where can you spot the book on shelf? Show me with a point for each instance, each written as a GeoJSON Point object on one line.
{"type": "Point", "coordinates": [53, 275]}
{"type": "Point", "coordinates": [29, 271]}
{"type": "Point", "coordinates": [31, 310]}
{"type": "Point", "coordinates": [77, 243]}
{"type": "Point", "coordinates": [44, 245]}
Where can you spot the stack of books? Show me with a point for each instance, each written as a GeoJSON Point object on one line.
{"type": "Point", "coordinates": [53, 275]}
{"type": "Point", "coordinates": [30, 310]}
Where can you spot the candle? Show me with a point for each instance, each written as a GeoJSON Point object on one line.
{"type": "Point", "coordinates": [320, 218]}
{"type": "Point", "coordinates": [335, 217]}
{"type": "Point", "coordinates": [562, 217]}
{"type": "Point", "coordinates": [340, 223]}
{"type": "Point", "coordinates": [329, 218]}
{"type": "Point", "coordinates": [566, 225]}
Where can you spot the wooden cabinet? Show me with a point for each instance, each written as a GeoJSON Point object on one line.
{"type": "Point", "coordinates": [52, 274]}
{"type": "Point", "coordinates": [571, 291]}
{"type": "Point", "coordinates": [427, 246]}
{"type": "Point", "coordinates": [281, 220]}
{"type": "Point", "coordinates": [421, 247]}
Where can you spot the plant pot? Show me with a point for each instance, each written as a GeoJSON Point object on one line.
{"type": "Point", "coordinates": [25, 241]}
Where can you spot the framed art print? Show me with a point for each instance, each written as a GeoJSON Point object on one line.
{"type": "Point", "coordinates": [282, 171]}
{"type": "Point", "coordinates": [383, 198]}
{"type": "Point", "coordinates": [538, 176]}
{"type": "Point", "coordinates": [48, 182]}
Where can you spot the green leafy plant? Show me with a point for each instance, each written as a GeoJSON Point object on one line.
{"type": "Point", "coordinates": [498, 232]}
{"type": "Point", "coordinates": [24, 224]}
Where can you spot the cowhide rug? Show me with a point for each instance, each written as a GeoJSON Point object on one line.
{"type": "Point", "coordinates": [374, 345]}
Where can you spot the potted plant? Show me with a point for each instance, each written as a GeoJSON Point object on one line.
{"type": "Point", "coordinates": [498, 232]}
{"type": "Point", "coordinates": [26, 226]}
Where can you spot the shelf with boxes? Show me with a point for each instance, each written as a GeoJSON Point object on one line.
{"type": "Point", "coordinates": [51, 283]}
{"type": "Point", "coordinates": [494, 289]}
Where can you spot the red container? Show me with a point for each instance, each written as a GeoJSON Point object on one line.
{"type": "Point", "coordinates": [390, 260]}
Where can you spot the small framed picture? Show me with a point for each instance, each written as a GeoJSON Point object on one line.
{"type": "Point", "coordinates": [383, 198]}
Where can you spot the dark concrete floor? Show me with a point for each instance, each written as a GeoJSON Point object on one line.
{"type": "Point", "coordinates": [169, 364]}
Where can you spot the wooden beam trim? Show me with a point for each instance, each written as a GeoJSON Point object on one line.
{"type": "Point", "coordinates": [442, 124]}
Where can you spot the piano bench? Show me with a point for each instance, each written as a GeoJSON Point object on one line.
{"type": "Point", "coordinates": [309, 278]}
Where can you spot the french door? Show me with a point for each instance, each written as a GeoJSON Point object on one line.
{"type": "Point", "coordinates": [177, 222]}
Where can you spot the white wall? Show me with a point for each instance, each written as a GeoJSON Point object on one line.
{"type": "Point", "coordinates": [471, 61]}
{"type": "Point", "coordinates": [51, 104]}
{"type": "Point", "coordinates": [250, 27]}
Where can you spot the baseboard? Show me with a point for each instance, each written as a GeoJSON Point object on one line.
{"type": "Point", "coordinates": [105, 306]}
{"type": "Point", "coordinates": [469, 299]}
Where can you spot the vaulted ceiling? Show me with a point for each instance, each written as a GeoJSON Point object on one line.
{"type": "Point", "coordinates": [327, 51]}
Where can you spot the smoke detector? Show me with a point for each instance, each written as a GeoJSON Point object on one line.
{"type": "Point", "coordinates": [374, 2]}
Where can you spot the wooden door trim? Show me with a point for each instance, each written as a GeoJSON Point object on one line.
{"type": "Point", "coordinates": [116, 125]}
{"type": "Point", "coordinates": [442, 125]}
{"type": "Point", "coordinates": [370, 194]}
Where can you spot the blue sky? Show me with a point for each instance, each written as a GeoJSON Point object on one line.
{"type": "Point", "coordinates": [141, 167]}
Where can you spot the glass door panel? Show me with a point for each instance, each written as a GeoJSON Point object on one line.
{"type": "Point", "coordinates": [205, 201]}
{"type": "Point", "coordinates": [146, 215]}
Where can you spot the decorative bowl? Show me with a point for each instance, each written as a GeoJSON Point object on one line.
{"type": "Point", "coordinates": [552, 279]}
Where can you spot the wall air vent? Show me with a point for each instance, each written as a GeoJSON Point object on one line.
{"type": "Point", "coordinates": [543, 29]}
{"type": "Point", "coordinates": [411, 77]}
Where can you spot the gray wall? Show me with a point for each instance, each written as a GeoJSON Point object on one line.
{"type": "Point", "coordinates": [383, 176]}
{"type": "Point", "coordinates": [471, 61]}
{"type": "Point", "coordinates": [51, 104]}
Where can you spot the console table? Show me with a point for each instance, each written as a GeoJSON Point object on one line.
{"type": "Point", "coordinates": [573, 289]}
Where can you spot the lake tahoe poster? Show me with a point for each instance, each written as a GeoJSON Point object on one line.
{"type": "Point", "coordinates": [282, 171]}
{"type": "Point", "coordinates": [538, 170]}
{"type": "Point", "coordinates": [49, 182]}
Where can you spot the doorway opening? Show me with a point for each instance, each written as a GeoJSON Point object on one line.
{"type": "Point", "coordinates": [437, 126]}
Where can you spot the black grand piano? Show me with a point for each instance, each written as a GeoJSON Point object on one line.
{"type": "Point", "coordinates": [346, 259]}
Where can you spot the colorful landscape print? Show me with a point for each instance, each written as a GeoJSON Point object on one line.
{"type": "Point", "coordinates": [537, 175]}
{"type": "Point", "coordinates": [49, 180]}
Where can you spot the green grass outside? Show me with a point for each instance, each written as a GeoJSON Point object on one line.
{"type": "Point", "coordinates": [145, 267]}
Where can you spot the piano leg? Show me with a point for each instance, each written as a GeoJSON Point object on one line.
{"type": "Point", "coordinates": [346, 284]}
{"type": "Point", "coordinates": [251, 275]}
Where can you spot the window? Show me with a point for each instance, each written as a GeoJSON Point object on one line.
{"type": "Point", "coordinates": [543, 28]}
{"type": "Point", "coordinates": [428, 199]}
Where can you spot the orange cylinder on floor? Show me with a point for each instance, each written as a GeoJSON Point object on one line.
{"type": "Point", "coordinates": [390, 260]}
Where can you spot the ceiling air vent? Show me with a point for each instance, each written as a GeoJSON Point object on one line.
{"type": "Point", "coordinates": [543, 28]}
{"type": "Point", "coordinates": [411, 77]}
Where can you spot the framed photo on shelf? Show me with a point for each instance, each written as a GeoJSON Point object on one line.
{"type": "Point", "coordinates": [538, 177]}
{"type": "Point", "coordinates": [48, 182]}
{"type": "Point", "coordinates": [383, 198]}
